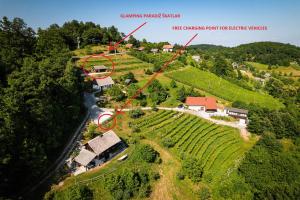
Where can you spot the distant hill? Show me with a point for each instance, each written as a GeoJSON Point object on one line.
{"type": "Point", "coordinates": [205, 47]}
{"type": "Point", "coordinates": [271, 53]}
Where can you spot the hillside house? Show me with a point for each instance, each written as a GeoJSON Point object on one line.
{"type": "Point", "coordinates": [260, 80]}
{"type": "Point", "coordinates": [154, 51]}
{"type": "Point", "coordinates": [167, 48]}
{"type": "Point", "coordinates": [99, 68]}
{"type": "Point", "coordinates": [128, 46]}
{"type": "Point", "coordinates": [98, 150]}
{"type": "Point", "coordinates": [238, 113]}
{"type": "Point", "coordinates": [141, 48]}
{"type": "Point", "coordinates": [235, 65]}
{"type": "Point", "coordinates": [103, 84]}
{"type": "Point", "coordinates": [207, 104]}
{"type": "Point", "coordinates": [196, 58]}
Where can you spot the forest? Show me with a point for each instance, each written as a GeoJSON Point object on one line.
{"type": "Point", "coordinates": [41, 95]}
{"type": "Point", "coordinates": [270, 53]}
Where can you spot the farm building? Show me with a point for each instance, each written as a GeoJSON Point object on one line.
{"type": "Point", "coordinates": [237, 113]}
{"type": "Point", "coordinates": [98, 150]}
{"type": "Point", "coordinates": [128, 46]}
{"type": "Point", "coordinates": [103, 84]}
{"type": "Point", "coordinates": [141, 48]}
{"type": "Point", "coordinates": [154, 51]}
{"type": "Point", "coordinates": [207, 104]}
{"type": "Point", "coordinates": [196, 58]}
{"type": "Point", "coordinates": [167, 48]}
{"type": "Point", "coordinates": [100, 68]}
{"type": "Point", "coordinates": [127, 81]}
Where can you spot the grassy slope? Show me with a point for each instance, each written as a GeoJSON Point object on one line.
{"type": "Point", "coordinates": [220, 148]}
{"type": "Point", "coordinates": [210, 82]}
{"type": "Point", "coordinates": [287, 70]}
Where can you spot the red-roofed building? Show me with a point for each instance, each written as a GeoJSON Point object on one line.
{"type": "Point", "coordinates": [202, 103]}
{"type": "Point", "coordinates": [167, 48]}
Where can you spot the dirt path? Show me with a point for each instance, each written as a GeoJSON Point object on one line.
{"type": "Point", "coordinates": [165, 189]}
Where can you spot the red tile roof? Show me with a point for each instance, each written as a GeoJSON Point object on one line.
{"type": "Point", "coordinates": [128, 45]}
{"type": "Point", "coordinates": [168, 46]}
{"type": "Point", "coordinates": [209, 102]}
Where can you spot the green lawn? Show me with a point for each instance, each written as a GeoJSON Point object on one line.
{"type": "Point", "coordinates": [122, 63]}
{"type": "Point", "coordinates": [220, 148]}
{"type": "Point", "coordinates": [282, 69]}
{"type": "Point", "coordinates": [222, 88]}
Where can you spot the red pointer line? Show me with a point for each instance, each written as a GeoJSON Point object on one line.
{"type": "Point", "coordinates": [155, 75]}
{"type": "Point", "coordinates": [117, 44]}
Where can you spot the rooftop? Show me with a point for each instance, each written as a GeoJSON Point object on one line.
{"type": "Point", "coordinates": [85, 157]}
{"type": "Point", "coordinates": [100, 144]}
{"type": "Point", "coordinates": [105, 81]}
{"type": "Point", "coordinates": [168, 46]}
{"type": "Point", "coordinates": [237, 110]}
{"type": "Point", "coordinates": [100, 67]}
{"type": "Point", "coordinates": [209, 102]}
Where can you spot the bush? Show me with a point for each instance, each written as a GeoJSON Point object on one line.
{"type": "Point", "coordinates": [173, 84]}
{"type": "Point", "coordinates": [168, 142]}
{"type": "Point", "coordinates": [155, 176]}
{"type": "Point", "coordinates": [128, 184]}
{"type": "Point", "coordinates": [148, 72]}
{"type": "Point", "coordinates": [81, 192]}
{"type": "Point", "coordinates": [137, 113]}
{"type": "Point", "coordinates": [154, 108]}
{"type": "Point", "coordinates": [180, 176]}
{"type": "Point", "coordinates": [143, 102]}
{"type": "Point", "coordinates": [192, 167]}
{"type": "Point", "coordinates": [203, 193]}
{"type": "Point", "coordinates": [146, 153]}
{"type": "Point", "coordinates": [136, 130]}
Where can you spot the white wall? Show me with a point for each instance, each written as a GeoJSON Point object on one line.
{"type": "Point", "coordinates": [197, 108]}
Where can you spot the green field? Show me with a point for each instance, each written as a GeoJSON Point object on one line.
{"type": "Point", "coordinates": [282, 69]}
{"type": "Point", "coordinates": [217, 146]}
{"type": "Point", "coordinates": [220, 148]}
{"type": "Point", "coordinates": [122, 63]}
{"type": "Point", "coordinates": [215, 85]}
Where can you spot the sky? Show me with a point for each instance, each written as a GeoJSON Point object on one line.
{"type": "Point", "coordinates": [282, 17]}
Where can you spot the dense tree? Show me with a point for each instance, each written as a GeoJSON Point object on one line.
{"type": "Point", "coordinates": [136, 113]}
{"type": "Point", "coordinates": [39, 105]}
{"type": "Point", "coordinates": [128, 184]}
{"type": "Point", "coordinates": [271, 172]}
{"type": "Point", "coordinates": [133, 41]}
{"type": "Point", "coordinates": [157, 93]}
{"type": "Point", "coordinates": [192, 167]}
{"type": "Point", "coordinates": [17, 41]}
{"type": "Point", "coordinates": [116, 93]}
{"type": "Point", "coordinates": [221, 67]}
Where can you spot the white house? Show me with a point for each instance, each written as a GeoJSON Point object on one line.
{"type": "Point", "coordinates": [99, 68]}
{"type": "Point", "coordinates": [154, 51]}
{"type": "Point", "coordinates": [167, 48]}
{"type": "Point", "coordinates": [103, 83]}
{"type": "Point", "coordinates": [196, 58]}
{"type": "Point", "coordinates": [98, 150]}
{"type": "Point", "coordinates": [238, 113]}
{"type": "Point", "coordinates": [207, 104]}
